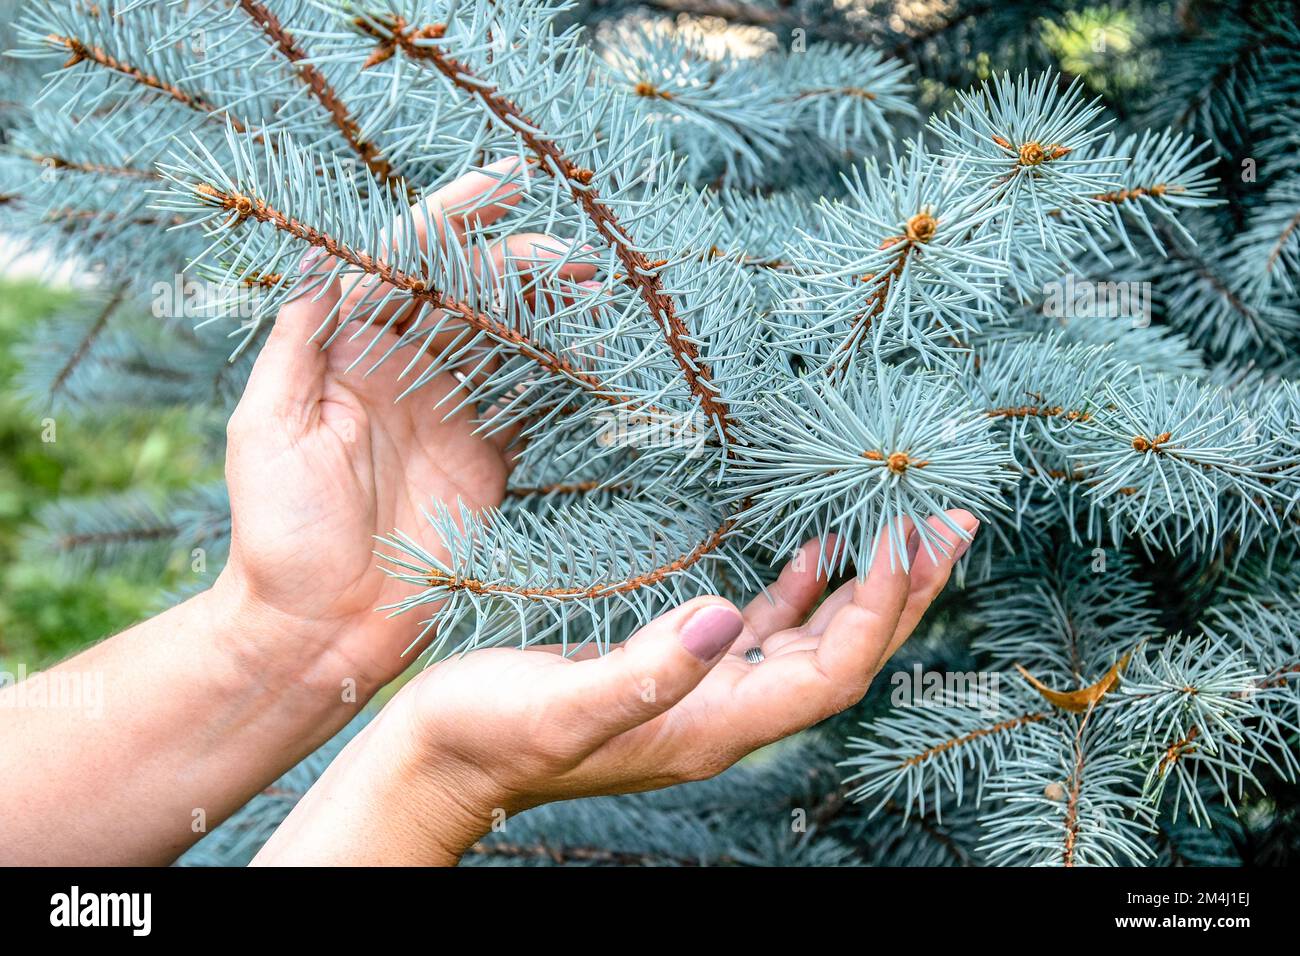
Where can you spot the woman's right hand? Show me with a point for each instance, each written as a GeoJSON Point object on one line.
{"type": "Point", "coordinates": [323, 457]}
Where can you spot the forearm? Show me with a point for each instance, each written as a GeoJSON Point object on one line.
{"type": "Point", "coordinates": [129, 752]}
{"type": "Point", "coordinates": [387, 801]}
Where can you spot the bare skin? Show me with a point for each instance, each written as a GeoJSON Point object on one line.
{"type": "Point", "coordinates": [323, 458]}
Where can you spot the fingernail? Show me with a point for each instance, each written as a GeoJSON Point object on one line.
{"type": "Point", "coordinates": [711, 630]}
{"type": "Point", "coordinates": [964, 545]}
{"type": "Point", "coordinates": [913, 546]}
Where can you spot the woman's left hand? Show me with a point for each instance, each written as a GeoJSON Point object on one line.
{"type": "Point", "coordinates": [489, 733]}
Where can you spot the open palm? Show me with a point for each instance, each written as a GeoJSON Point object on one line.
{"type": "Point", "coordinates": [539, 726]}
{"type": "Point", "coordinates": [323, 457]}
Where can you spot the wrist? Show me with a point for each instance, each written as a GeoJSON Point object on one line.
{"type": "Point", "coordinates": [284, 692]}
{"type": "Point", "coordinates": [283, 651]}
{"type": "Point", "coordinates": [448, 797]}
{"type": "Point", "coordinates": [386, 800]}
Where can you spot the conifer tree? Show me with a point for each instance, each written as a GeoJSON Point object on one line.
{"type": "Point", "coordinates": [1039, 261]}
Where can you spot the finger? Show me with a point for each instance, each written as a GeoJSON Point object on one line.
{"type": "Point", "coordinates": [586, 652]}
{"type": "Point", "coordinates": [929, 575]}
{"type": "Point", "coordinates": [288, 377]}
{"type": "Point", "coordinates": [789, 599]}
{"type": "Point", "coordinates": [857, 637]}
{"type": "Point", "coordinates": [523, 254]}
{"type": "Point", "coordinates": [786, 693]}
{"type": "Point", "coordinates": [650, 672]}
{"type": "Point", "coordinates": [826, 611]}
{"type": "Point", "coordinates": [477, 198]}
{"type": "Point", "coordinates": [931, 571]}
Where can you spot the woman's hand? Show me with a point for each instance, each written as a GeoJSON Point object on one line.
{"type": "Point", "coordinates": [493, 732]}
{"type": "Point", "coordinates": [322, 457]}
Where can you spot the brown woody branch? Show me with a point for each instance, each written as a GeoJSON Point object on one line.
{"type": "Point", "coordinates": [638, 271]}
{"type": "Point", "coordinates": [706, 547]}
{"type": "Point", "coordinates": [1039, 411]}
{"type": "Point", "coordinates": [1276, 251]}
{"type": "Point", "coordinates": [122, 172]}
{"type": "Point", "coordinates": [954, 742]}
{"type": "Point", "coordinates": [854, 91]}
{"type": "Point", "coordinates": [563, 488]}
{"type": "Point", "coordinates": [245, 207]}
{"type": "Point", "coordinates": [81, 52]}
{"type": "Point", "coordinates": [327, 96]}
{"type": "Point", "coordinates": [69, 218]}
{"type": "Point", "coordinates": [1121, 196]}
{"type": "Point", "coordinates": [69, 541]}
{"type": "Point", "coordinates": [919, 230]}
{"type": "Point", "coordinates": [83, 347]}
{"type": "Point", "coordinates": [1072, 803]}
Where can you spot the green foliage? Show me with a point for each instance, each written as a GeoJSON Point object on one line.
{"type": "Point", "coordinates": [48, 609]}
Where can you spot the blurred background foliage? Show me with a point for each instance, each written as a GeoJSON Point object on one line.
{"type": "Point", "coordinates": [46, 609]}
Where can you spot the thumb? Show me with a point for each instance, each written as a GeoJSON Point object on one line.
{"type": "Point", "coordinates": [654, 669]}
{"type": "Point", "coordinates": [288, 377]}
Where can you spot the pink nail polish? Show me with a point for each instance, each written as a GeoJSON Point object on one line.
{"type": "Point", "coordinates": [913, 546]}
{"type": "Point", "coordinates": [711, 630]}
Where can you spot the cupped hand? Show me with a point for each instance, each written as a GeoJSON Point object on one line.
{"type": "Point", "coordinates": [495, 731]}
{"type": "Point", "coordinates": [322, 457]}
